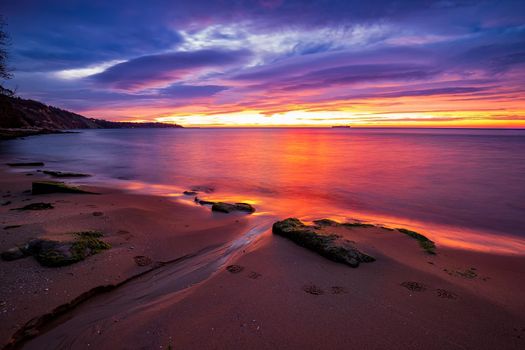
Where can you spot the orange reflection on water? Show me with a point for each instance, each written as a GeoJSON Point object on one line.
{"type": "Point", "coordinates": [460, 188]}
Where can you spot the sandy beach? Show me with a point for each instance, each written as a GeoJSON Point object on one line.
{"type": "Point", "coordinates": [225, 281]}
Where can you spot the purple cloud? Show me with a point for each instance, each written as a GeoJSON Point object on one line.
{"type": "Point", "coordinates": [140, 72]}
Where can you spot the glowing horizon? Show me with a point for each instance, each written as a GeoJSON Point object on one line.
{"type": "Point", "coordinates": [276, 62]}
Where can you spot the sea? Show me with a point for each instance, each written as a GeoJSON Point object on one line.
{"type": "Point", "coordinates": [464, 188]}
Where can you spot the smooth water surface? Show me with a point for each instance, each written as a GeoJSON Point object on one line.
{"type": "Point", "coordinates": [459, 185]}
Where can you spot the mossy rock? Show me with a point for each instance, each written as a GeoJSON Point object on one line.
{"type": "Point", "coordinates": [46, 187]}
{"type": "Point", "coordinates": [326, 222]}
{"type": "Point", "coordinates": [332, 247]}
{"type": "Point", "coordinates": [424, 242]}
{"type": "Point", "coordinates": [333, 223]}
{"type": "Point", "coordinates": [55, 253]}
{"type": "Point", "coordinates": [228, 207]}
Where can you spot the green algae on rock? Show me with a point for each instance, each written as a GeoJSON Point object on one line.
{"type": "Point", "coordinates": [52, 253]}
{"type": "Point", "coordinates": [332, 247]}
{"type": "Point", "coordinates": [46, 187]}
{"type": "Point", "coordinates": [424, 242]}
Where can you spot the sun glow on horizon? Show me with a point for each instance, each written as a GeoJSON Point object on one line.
{"type": "Point", "coordinates": [302, 118]}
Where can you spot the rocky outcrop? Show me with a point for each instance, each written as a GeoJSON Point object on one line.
{"type": "Point", "coordinates": [36, 117]}
{"type": "Point", "coordinates": [331, 246]}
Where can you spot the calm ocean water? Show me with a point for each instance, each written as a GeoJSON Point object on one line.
{"type": "Point", "coordinates": [460, 186]}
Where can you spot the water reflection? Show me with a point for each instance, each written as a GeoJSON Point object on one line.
{"type": "Point", "coordinates": [463, 187]}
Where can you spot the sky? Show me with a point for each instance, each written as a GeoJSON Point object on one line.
{"type": "Point", "coordinates": [274, 62]}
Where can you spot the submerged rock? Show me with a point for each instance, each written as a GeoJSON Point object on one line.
{"type": "Point", "coordinates": [45, 187]}
{"type": "Point", "coordinates": [63, 174]}
{"type": "Point", "coordinates": [36, 206]}
{"type": "Point", "coordinates": [332, 247]}
{"type": "Point", "coordinates": [228, 207]}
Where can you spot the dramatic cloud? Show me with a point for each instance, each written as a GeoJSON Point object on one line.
{"type": "Point", "coordinates": [275, 61]}
{"type": "Point", "coordinates": [154, 70]}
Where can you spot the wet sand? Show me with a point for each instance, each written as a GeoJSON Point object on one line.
{"type": "Point", "coordinates": [276, 294]}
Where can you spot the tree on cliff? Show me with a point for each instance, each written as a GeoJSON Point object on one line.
{"type": "Point", "coordinates": [5, 73]}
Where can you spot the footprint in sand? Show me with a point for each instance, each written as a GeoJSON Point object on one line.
{"type": "Point", "coordinates": [445, 294]}
{"type": "Point", "coordinates": [142, 260]}
{"type": "Point", "coordinates": [338, 290]}
{"type": "Point", "coordinates": [313, 289]}
{"type": "Point", "coordinates": [234, 268]}
{"type": "Point", "coordinates": [470, 273]}
{"type": "Point", "coordinates": [413, 286]}
{"type": "Point", "coordinates": [254, 275]}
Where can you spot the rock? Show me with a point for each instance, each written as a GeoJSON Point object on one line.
{"type": "Point", "coordinates": [11, 227]}
{"type": "Point", "coordinates": [60, 253]}
{"type": "Point", "coordinates": [63, 174]}
{"type": "Point", "coordinates": [333, 223]}
{"type": "Point", "coordinates": [325, 222]}
{"type": "Point", "coordinates": [203, 202]}
{"type": "Point", "coordinates": [424, 242]}
{"type": "Point", "coordinates": [332, 247]}
{"type": "Point", "coordinates": [228, 207]}
{"type": "Point", "coordinates": [98, 213]}
{"type": "Point", "coordinates": [6, 203]}
{"type": "Point", "coordinates": [13, 254]}
{"type": "Point", "coordinates": [36, 206]}
{"type": "Point", "coordinates": [45, 187]}
{"type": "Point", "coordinates": [26, 164]}
{"type": "Point", "coordinates": [190, 193]}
